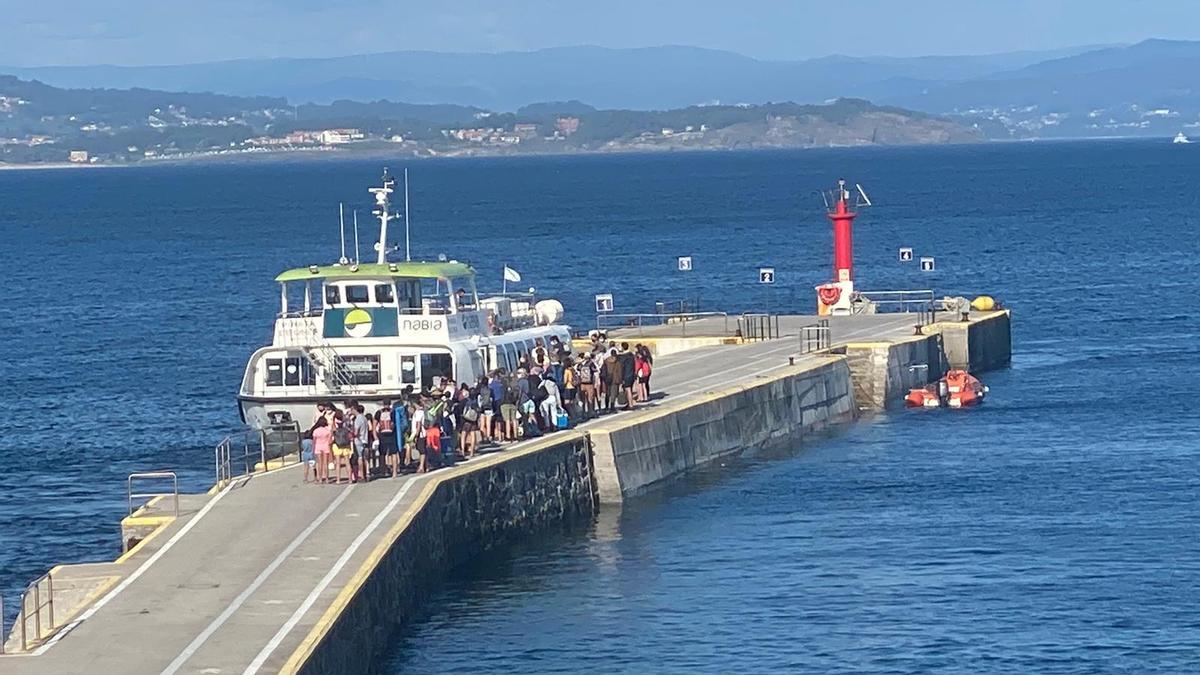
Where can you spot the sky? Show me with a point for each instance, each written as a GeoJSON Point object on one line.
{"type": "Point", "coordinates": [143, 32]}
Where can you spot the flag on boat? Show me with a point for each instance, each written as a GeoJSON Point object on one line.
{"type": "Point", "coordinates": [511, 275]}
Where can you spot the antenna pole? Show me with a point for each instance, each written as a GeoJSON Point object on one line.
{"type": "Point", "coordinates": [342, 227]}
{"type": "Point", "coordinates": [356, 236]}
{"type": "Point", "coordinates": [382, 205]}
{"type": "Point", "coordinates": [407, 250]}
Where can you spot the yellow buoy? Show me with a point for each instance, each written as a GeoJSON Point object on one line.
{"type": "Point", "coordinates": [983, 303]}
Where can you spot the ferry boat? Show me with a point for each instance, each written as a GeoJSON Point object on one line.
{"type": "Point", "coordinates": [378, 331]}
{"type": "Point", "coordinates": [1181, 138]}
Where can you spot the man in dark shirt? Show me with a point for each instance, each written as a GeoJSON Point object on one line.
{"type": "Point", "coordinates": [628, 374]}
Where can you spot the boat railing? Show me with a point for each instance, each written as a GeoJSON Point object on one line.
{"type": "Point", "coordinates": [257, 451]}
{"type": "Point", "coordinates": [639, 322]}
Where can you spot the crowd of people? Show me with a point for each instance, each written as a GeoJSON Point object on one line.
{"type": "Point", "coordinates": [551, 389]}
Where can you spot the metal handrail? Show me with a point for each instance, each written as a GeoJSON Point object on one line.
{"type": "Point", "coordinates": [152, 475]}
{"type": "Point", "coordinates": [815, 338]}
{"type": "Point", "coordinates": [253, 456]}
{"type": "Point", "coordinates": [38, 606]}
{"type": "Point", "coordinates": [905, 300]}
{"type": "Point", "coordinates": [758, 326]}
{"type": "Point", "coordinates": [640, 320]}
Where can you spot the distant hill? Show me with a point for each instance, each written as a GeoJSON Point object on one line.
{"type": "Point", "coordinates": [42, 123]}
{"type": "Point", "coordinates": [1150, 88]}
{"type": "Point", "coordinates": [641, 79]}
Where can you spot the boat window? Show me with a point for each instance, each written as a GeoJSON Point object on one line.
{"type": "Point", "coordinates": [510, 353]}
{"type": "Point", "coordinates": [358, 295]}
{"type": "Point", "coordinates": [333, 295]}
{"type": "Point", "coordinates": [362, 369]}
{"type": "Point", "coordinates": [274, 372]}
{"type": "Point", "coordinates": [434, 366]}
{"type": "Point", "coordinates": [298, 371]}
{"type": "Point", "coordinates": [408, 369]}
{"type": "Point", "coordinates": [410, 296]}
{"type": "Point", "coordinates": [384, 294]}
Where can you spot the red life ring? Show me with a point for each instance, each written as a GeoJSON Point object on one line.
{"type": "Point", "coordinates": [829, 294]}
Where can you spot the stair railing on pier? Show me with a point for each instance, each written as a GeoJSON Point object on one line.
{"type": "Point", "coordinates": [606, 322]}
{"type": "Point", "coordinates": [755, 326]}
{"type": "Point", "coordinates": [257, 451]}
{"type": "Point", "coordinates": [152, 476]}
{"type": "Point", "coordinates": [35, 590]}
{"type": "Point", "coordinates": [815, 338]}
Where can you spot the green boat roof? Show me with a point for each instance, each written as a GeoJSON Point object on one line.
{"type": "Point", "coordinates": [420, 270]}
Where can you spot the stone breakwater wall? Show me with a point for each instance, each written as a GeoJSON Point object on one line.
{"type": "Point", "coordinates": [460, 513]}
{"type": "Point", "coordinates": [633, 454]}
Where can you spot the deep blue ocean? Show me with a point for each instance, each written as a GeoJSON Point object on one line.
{"type": "Point", "coordinates": [1054, 530]}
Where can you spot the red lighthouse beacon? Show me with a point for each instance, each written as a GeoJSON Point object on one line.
{"type": "Point", "coordinates": [836, 296]}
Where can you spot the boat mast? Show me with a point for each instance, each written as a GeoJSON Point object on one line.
{"type": "Point", "coordinates": [381, 211]}
{"type": "Point", "coordinates": [342, 226]}
{"type": "Point", "coordinates": [407, 250]}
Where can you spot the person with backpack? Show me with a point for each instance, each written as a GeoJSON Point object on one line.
{"type": "Point", "coordinates": [568, 387]}
{"type": "Point", "coordinates": [646, 369]}
{"type": "Point", "coordinates": [343, 447]}
{"type": "Point", "coordinates": [385, 437]}
{"type": "Point", "coordinates": [550, 406]}
{"type": "Point", "coordinates": [416, 433]}
{"type": "Point", "coordinates": [431, 421]}
{"type": "Point", "coordinates": [483, 398]}
{"type": "Point", "coordinates": [585, 375]}
{"type": "Point", "coordinates": [611, 376]}
{"type": "Point", "coordinates": [472, 413]}
{"type": "Point", "coordinates": [361, 431]}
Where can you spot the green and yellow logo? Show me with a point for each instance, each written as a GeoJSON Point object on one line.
{"type": "Point", "coordinates": [357, 323]}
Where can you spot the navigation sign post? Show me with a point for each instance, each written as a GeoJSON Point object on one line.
{"type": "Point", "coordinates": [685, 263]}
{"type": "Point", "coordinates": [906, 254]}
{"type": "Point", "coordinates": [927, 264]}
{"type": "Point", "coordinates": [766, 275]}
{"type": "Point", "coordinates": [604, 303]}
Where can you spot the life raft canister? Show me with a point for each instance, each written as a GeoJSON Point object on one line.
{"type": "Point", "coordinates": [829, 294]}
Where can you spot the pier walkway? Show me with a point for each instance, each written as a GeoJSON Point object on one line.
{"type": "Point", "coordinates": [246, 578]}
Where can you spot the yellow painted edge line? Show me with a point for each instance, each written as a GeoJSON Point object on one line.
{"type": "Point", "coordinates": [305, 649]}
{"type": "Point", "coordinates": [144, 507]}
{"type": "Point", "coordinates": [146, 520]}
{"type": "Point", "coordinates": [109, 582]}
{"type": "Point", "coordinates": [136, 547]}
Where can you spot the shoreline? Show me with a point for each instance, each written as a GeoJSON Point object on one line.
{"type": "Point", "coordinates": [309, 154]}
{"type": "Point", "coordinates": [335, 154]}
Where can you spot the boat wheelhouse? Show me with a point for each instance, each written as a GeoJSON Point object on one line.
{"type": "Point", "coordinates": [378, 331]}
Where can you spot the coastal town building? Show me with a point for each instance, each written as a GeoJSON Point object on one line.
{"type": "Point", "coordinates": [339, 136]}
{"type": "Point", "coordinates": [566, 125]}
{"type": "Point", "coordinates": [78, 157]}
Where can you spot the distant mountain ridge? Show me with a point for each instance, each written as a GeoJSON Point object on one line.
{"type": "Point", "coordinates": [641, 78]}
{"type": "Point", "coordinates": [1149, 88]}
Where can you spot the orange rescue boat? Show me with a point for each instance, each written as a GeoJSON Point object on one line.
{"type": "Point", "coordinates": [958, 389]}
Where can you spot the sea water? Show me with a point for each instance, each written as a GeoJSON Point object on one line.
{"type": "Point", "coordinates": [1052, 530]}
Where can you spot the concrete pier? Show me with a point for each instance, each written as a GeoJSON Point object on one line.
{"type": "Point", "coordinates": [267, 574]}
